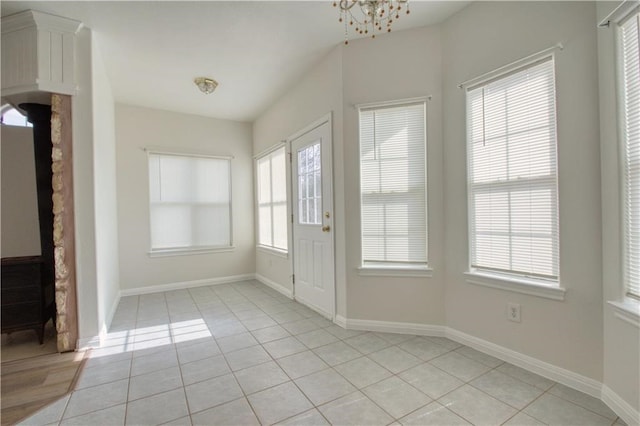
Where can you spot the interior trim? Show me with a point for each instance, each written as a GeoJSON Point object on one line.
{"type": "Point", "coordinates": [619, 406]}
{"type": "Point", "coordinates": [184, 284]}
{"type": "Point", "coordinates": [515, 285]}
{"type": "Point", "coordinates": [274, 285]}
{"type": "Point", "coordinates": [558, 374]}
{"type": "Point", "coordinates": [391, 327]}
{"type": "Point", "coordinates": [627, 312]}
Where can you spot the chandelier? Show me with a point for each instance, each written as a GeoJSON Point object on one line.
{"type": "Point", "coordinates": [370, 16]}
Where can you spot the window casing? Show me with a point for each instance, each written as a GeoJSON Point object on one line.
{"type": "Point", "coordinates": [190, 202]}
{"type": "Point", "coordinates": [512, 174]}
{"type": "Point", "coordinates": [629, 71]}
{"type": "Point", "coordinates": [271, 185]}
{"type": "Point", "coordinates": [393, 184]}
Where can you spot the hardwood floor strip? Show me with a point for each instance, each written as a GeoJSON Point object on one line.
{"type": "Point", "coordinates": [40, 361]}
{"type": "Point", "coordinates": [13, 415]}
{"type": "Point", "coordinates": [29, 385]}
{"type": "Point", "coordinates": [33, 395]}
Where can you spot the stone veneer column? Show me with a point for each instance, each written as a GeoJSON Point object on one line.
{"type": "Point", "coordinates": [63, 223]}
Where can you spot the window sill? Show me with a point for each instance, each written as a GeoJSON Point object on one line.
{"type": "Point", "coordinates": [395, 271]}
{"type": "Point", "coordinates": [273, 251]}
{"type": "Point", "coordinates": [189, 251]}
{"type": "Point", "coordinates": [627, 310]}
{"type": "Point", "coordinates": [517, 285]}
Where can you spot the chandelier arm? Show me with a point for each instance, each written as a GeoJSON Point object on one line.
{"type": "Point", "coordinates": [347, 5]}
{"type": "Point", "coordinates": [371, 16]}
{"type": "Point", "coordinates": [354, 18]}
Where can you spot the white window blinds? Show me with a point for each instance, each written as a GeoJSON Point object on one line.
{"type": "Point", "coordinates": [272, 199]}
{"type": "Point", "coordinates": [393, 184]}
{"type": "Point", "coordinates": [511, 151]}
{"type": "Point", "coordinates": [630, 76]}
{"type": "Point", "coordinates": [190, 201]}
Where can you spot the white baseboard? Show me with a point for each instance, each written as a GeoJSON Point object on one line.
{"type": "Point", "coordinates": [185, 284]}
{"type": "Point", "coordinates": [274, 285]}
{"type": "Point", "coordinates": [88, 342]}
{"type": "Point", "coordinates": [95, 341]}
{"type": "Point", "coordinates": [390, 327]}
{"type": "Point", "coordinates": [341, 321]}
{"type": "Point", "coordinates": [320, 311]}
{"type": "Point", "coordinates": [557, 374]}
{"type": "Point", "coordinates": [568, 378]}
{"type": "Point", "coordinates": [109, 319]}
{"type": "Point", "coordinates": [619, 406]}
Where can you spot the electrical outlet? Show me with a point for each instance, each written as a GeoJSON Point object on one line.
{"type": "Point", "coordinates": [513, 312]}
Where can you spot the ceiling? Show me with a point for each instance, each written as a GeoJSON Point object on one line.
{"type": "Point", "coordinates": [256, 50]}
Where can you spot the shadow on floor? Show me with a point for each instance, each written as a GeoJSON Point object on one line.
{"type": "Point", "coordinates": [24, 344]}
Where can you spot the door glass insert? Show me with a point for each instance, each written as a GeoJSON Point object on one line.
{"type": "Point", "coordinates": [310, 185]}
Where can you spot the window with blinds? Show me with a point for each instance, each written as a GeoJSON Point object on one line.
{"type": "Point", "coordinates": [393, 184]}
{"type": "Point", "coordinates": [272, 200]}
{"type": "Point", "coordinates": [630, 85]}
{"type": "Point", "coordinates": [512, 178]}
{"type": "Point", "coordinates": [190, 202]}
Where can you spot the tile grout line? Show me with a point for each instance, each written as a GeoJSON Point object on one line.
{"type": "Point", "coordinates": [62, 419]}
{"type": "Point", "coordinates": [363, 355]}
{"type": "Point", "coordinates": [235, 378]}
{"type": "Point", "coordinates": [250, 297]}
{"type": "Point", "coordinates": [184, 387]}
{"type": "Point", "coordinates": [308, 348]}
{"type": "Point", "coordinates": [286, 374]}
{"type": "Point", "coordinates": [275, 360]}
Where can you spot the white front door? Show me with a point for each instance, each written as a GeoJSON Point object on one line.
{"type": "Point", "coordinates": [313, 269]}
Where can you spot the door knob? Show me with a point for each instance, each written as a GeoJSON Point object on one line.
{"type": "Point", "coordinates": [326, 228]}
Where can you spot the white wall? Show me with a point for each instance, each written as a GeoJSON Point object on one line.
{"type": "Point", "coordinates": [481, 38]}
{"type": "Point", "coordinates": [317, 94]}
{"type": "Point", "coordinates": [336, 84]}
{"type": "Point", "coordinates": [621, 339]}
{"type": "Point", "coordinates": [83, 192]}
{"type": "Point", "coordinates": [580, 334]}
{"type": "Point", "coordinates": [20, 226]}
{"type": "Point", "coordinates": [106, 212]}
{"type": "Point", "coordinates": [430, 61]}
{"type": "Point", "coordinates": [137, 128]}
{"type": "Point", "coordinates": [407, 64]}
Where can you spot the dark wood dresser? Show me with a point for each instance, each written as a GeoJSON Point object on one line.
{"type": "Point", "coordinates": [28, 300]}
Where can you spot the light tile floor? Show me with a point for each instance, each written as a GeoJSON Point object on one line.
{"type": "Point", "coordinates": [242, 354]}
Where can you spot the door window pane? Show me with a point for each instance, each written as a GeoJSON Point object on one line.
{"type": "Point", "coordinates": [310, 185]}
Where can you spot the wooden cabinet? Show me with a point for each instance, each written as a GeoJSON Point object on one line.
{"type": "Point", "coordinates": [27, 299]}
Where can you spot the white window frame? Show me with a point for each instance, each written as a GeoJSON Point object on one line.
{"type": "Point", "coordinates": [192, 250]}
{"type": "Point", "coordinates": [397, 269]}
{"type": "Point", "coordinates": [627, 307]}
{"type": "Point", "coordinates": [515, 282]}
{"type": "Point", "coordinates": [278, 251]}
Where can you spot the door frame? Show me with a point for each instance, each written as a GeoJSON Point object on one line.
{"type": "Point", "coordinates": [327, 118]}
